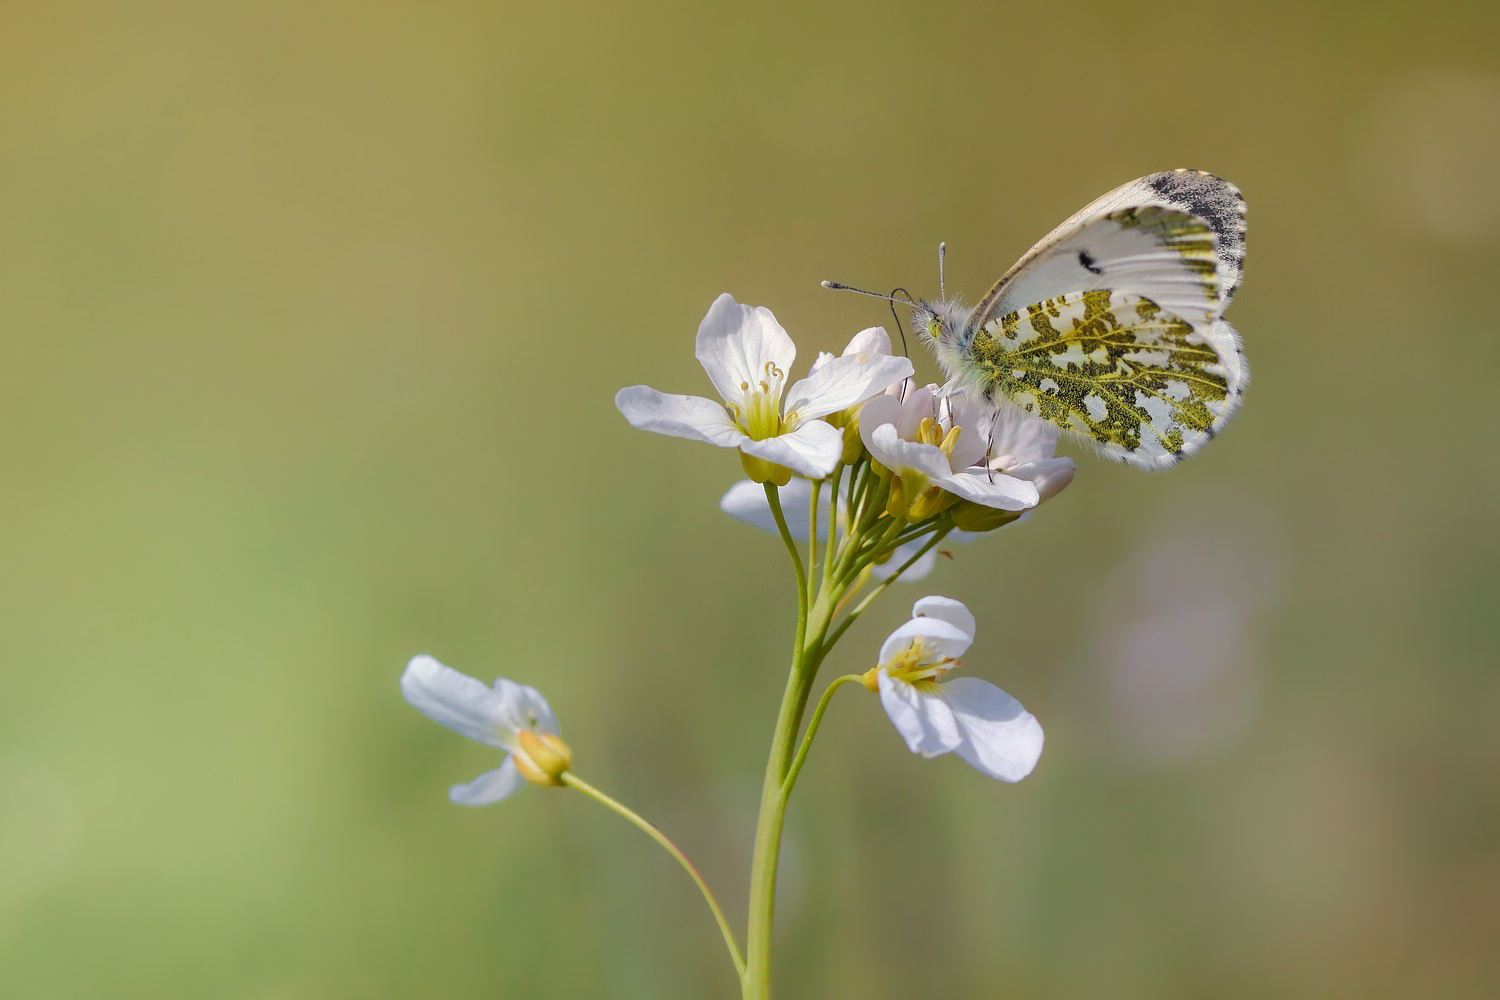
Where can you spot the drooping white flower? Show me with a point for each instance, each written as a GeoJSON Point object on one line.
{"type": "Point", "coordinates": [510, 716]}
{"type": "Point", "coordinates": [746, 501]}
{"type": "Point", "coordinates": [964, 715]}
{"type": "Point", "coordinates": [776, 427]}
{"type": "Point", "coordinates": [935, 445]}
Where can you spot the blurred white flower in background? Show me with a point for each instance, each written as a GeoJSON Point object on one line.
{"type": "Point", "coordinates": [510, 716]}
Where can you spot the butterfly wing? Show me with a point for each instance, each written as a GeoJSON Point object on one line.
{"type": "Point", "coordinates": [1141, 382]}
{"type": "Point", "coordinates": [1112, 326]}
{"type": "Point", "coordinates": [1090, 250]}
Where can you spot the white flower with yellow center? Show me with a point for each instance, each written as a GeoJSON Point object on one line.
{"type": "Point", "coordinates": [775, 426]}
{"type": "Point", "coordinates": [510, 716]}
{"type": "Point", "coordinates": [935, 449]}
{"type": "Point", "coordinates": [963, 715]}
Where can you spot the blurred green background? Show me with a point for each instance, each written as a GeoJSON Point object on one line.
{"type": "Point", "coordinates": [312, 316]}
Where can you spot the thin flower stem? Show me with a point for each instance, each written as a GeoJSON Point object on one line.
{"type": "Point", "coordinates": [773, 497]}
{"type": "Point", "coordinates": [574, 781]}
{"type": "Point", "coordinates": [833, 524]}
{"type": "Point", "coordinates": [812, 731]}
{"type": "Point", "coordinates": [812, 533]}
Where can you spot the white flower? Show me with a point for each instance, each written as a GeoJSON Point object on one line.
{"type": "Point", "coordinates": [747, 355]}
{"type": "Point", "coordinates": [746, 501]}
{"type": "Point", "coordinates": [932, 444]}
{"type": "Point", "coordinates": [1023, 446]}
{"type": "Point", "coordinates": [510, 716]}
{"type": "Point", "coordinates": [970, 717]}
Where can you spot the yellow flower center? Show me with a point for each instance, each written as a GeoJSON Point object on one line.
{"type": "Point", "coordinates": [758, 413]}
{"type": "Point", "coordinates": [915, 665]}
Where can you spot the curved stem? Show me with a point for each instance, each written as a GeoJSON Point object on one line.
{"type": "Point", "coordinates": [574, 781]}
{"type": "Point", "coordinates": [812, 730]}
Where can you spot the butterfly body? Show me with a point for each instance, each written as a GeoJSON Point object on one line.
{"type": "Point", "coordinates": [1112, 326]}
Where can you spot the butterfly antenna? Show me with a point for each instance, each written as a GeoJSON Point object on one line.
{"type": "Point", "coordinates": [909, 301]}
{"type": "Point", "coordinates": [942, 287]}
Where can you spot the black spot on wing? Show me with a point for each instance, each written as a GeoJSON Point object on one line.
{"type": "Point", "coordinates": [1086, 261]}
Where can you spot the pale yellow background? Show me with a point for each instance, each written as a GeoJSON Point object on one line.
{"type": "Point", "coordinates": [311, 316]}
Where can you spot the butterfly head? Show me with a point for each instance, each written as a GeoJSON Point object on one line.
{"type": "Point", "coordinates": [945, 326]}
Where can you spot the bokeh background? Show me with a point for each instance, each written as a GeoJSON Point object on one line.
{"type": "Point", "coordinates": [312, 315]}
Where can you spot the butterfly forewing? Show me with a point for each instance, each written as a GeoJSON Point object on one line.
{"type": "Point", "coordinates": [1053, 266]}
{"type": "Point", "coordinates": [1142, 382]}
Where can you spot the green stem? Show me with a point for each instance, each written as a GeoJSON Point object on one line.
{"type": "Point", "coordinates": [574, 781]}
{"type": "Point", "coordinates": [755, 982]}
{"type": "Point", "coordinates": [859, 608]}
{"type": "Point", "coordinates": [812, 730]}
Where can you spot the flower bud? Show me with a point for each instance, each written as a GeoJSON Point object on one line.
{"type": "Point", "coordinates": [542, 758]}
{"type": "Point", "coordinates": [759, 470]}
{"type": "Point", "coordinates": [975, 517]}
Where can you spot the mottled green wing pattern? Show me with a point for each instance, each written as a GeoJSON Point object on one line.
{"type": "Point", "coordinates": [1145, 384]}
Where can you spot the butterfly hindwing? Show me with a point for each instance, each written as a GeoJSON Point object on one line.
{"type": "Point", "coordinates": [1145, 384]}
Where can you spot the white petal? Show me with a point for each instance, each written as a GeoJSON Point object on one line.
{"type": "Point", "coordinates": [924, 721]}
{"type": "Point", "coordinates": [976, 419]}
{"type": "Point", "coordinates": [993, 489]}
{"type": "Point", "coordinates": [948, 610]}
{"type": "Point", "coordinates": [524, 708]}
{"type": "Point", "coordinates": [939, 639]}
{"type": "Point", "coordinates": [490, 787]}
{"type": "Point", "coordinates": [871, 341]}
{"type": "Point", "coordinates": [883, 409]}
{"type": "Point", "coordinates": [842, 382]}
{"type": "Point", "coordinates": [680, 416]}
{"type": "Point", "coordinates": [919, 570]}
{"type": "Point", "coordinates": [813, 449]}
{"type": "Point", "coordinates": [918, 405]}
{"type": "Point", "coordinates": [902, 456]}
{"type": "Point", "coordinates": [746, 501]}
{"type": "Point", "coordinates": [1049, 475]}
{"type": "Point", "coordinates": [455, 700]}
{"type": "Point", "coordinates": [1000, 738]}
{"type": "Point", "coordinates": [737, 344]}
{"type": "Point", "coordinates": [1021, 437]}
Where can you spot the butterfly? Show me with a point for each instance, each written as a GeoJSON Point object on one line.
{"type": "Point", "coordinates": [1112, 327]}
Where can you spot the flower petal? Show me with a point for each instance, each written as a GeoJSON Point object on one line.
{"type": "Point", "coordinates": [746, 501]}
{"type": "Point", "coordinates": [524, 708]}
{"type": "Point", "coordinates": [842, 382]}
{"type": "Point", "coordinates": [976, 419]}
{"type": "Point", "coordinates": [813, 449]}
{"type": "Point", "coordinates": [490, 787]}
{"type": "Point", "coordinates": [869, 341]}
{"type": "Point", "coordinates": [1049, 475]}
{"type": "Point", "coordinates": [924, 720]}
{"type": "Point", "coordinates": [940, 640]}
{"type": "Point", "coordinates": [948, 610]}
{"type": "Point", "coordinates": [679, 416]}
{"type": "Point", "coordinates": [737, 345]}
{"type": "Point", "coordinates": [1021, 437]}
{"type": "Point", "coordinates": [919, 570]}
{"type": "Point", "coordinates": [1000, 738]}
{"type": "Point", "coordinates": [455, 700]}
{"type": "Point", "coordinates": [904, 457]}
{"type": "Point", "coordinates": [993, 489]}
